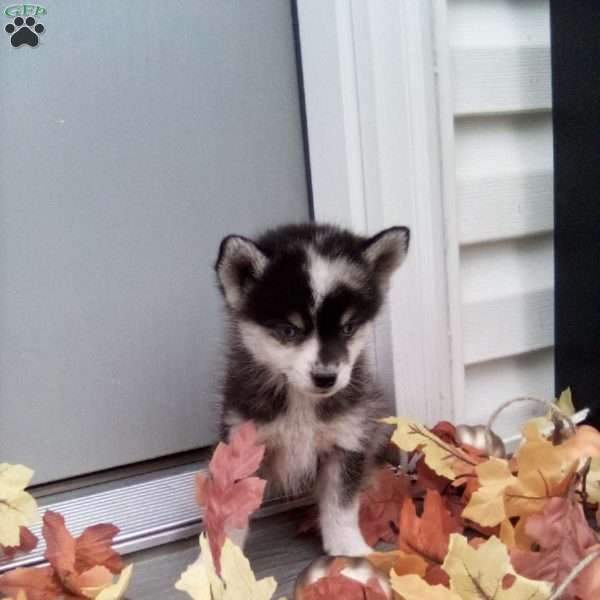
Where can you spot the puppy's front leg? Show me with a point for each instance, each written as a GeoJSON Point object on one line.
{"type": "Point", "coordinates": [340, 479]}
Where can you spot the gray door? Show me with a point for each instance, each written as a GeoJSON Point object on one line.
{"type": "Point", "coordinates": [132, 138]}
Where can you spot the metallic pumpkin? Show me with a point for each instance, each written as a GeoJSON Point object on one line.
{"type": "Point", "coordinates": [475, 435]}
{"type": "Point", "coordinates": [359, 569]}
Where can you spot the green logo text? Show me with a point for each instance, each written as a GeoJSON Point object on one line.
{"type": "Point", "coordinates": [25, 10]}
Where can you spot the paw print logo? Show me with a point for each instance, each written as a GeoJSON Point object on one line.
{"type": "Point", "coordinates": [24, 31]}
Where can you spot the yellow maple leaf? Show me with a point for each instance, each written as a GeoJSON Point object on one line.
{"type": "Point", "coordinates": [17, 507]}
{"type": "Point", "coordinates": [237, 581]}
{"type": "Point", "coordinates": [486, 505]}
{"type": "Point", "coordinates": [564, 403]}
{"type": "Point", "coordinates": [592, 481]}
{"type": "Point", "coordinates": [445, 459]}
{"type": "Point", "coordinates": [412, 587]}
{"type": "Point", "coordinates": [507, 534]}
{"type": "Point", "coordinates": [544, 471]}
{"type": "Point", "coordinates": [200, 579]}
{"type": "Point", "coordinates": [480, 573]}
{"type": "Point", "coordinates": [112, 591]}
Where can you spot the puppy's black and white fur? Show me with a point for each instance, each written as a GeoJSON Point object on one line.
{"type": "Point", "coordinates": [302, 299]}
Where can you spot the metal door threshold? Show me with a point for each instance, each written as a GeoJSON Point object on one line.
{"type": "Point", "coordinates": [148, 514]}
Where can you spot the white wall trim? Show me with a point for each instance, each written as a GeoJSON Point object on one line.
{"type": "Point", "coordinates": [445, 108]}
{"type": "Point", "coordinates": [374, 138]}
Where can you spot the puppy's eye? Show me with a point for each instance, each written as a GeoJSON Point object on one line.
{"type": "Point", "coordinates": [349, 328]}
{"type": "Point", "coordinates": [287, 331]}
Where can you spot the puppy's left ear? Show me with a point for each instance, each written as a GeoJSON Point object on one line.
{"type": "Point", "coordinates": [239, 265]}
{"type": "Point", "coordinates": [386, 251]}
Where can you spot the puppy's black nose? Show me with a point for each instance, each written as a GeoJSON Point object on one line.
{"type": "Point", "coordinates": [324, 381]}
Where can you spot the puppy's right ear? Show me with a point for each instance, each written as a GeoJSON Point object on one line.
{"type": "Point", "coordinates": [240, 263]}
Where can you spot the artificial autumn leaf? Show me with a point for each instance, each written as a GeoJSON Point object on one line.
{"type": "Point", "coordinates": [27, 542]}
{"type": "Point", "coordinates": [380, 506]}
{"type": "Point", "coordinates": [230, 495]}
{"type": "Point", "coordinates": [240, 582]}
{"type": "Point", "coordinates": [412, 587]}
{"type": "Point", "coordinates": [239, 459]}
{"type": "Point", "coordinates": [401, 562]}
{"type": "Point", "coordinates": [237, 581]}
{"type": "Point", "coordinates": [481, 572]}
{"type": "Point", "coordinates": [91, 549]}
{"type": "Point", "coordinates": [335, 584]}
{"type": "Point", "coordinates": [446, 431]}
{"type": "Point", "coordinates": [584, 444]}
{"type": "Point", "coordinates": [592, 481]}
{"type": "Point", "coordinates": [200, 580]}
{"type": "Point", "coordinates": [115, 591]}
{"type": "Point", "coordinates": [94, 548]}
{"type": "Point", "coordinates": [17, 507]}
{"type": "Point", "coordinates": [444, 458]}
{"type": "Point", "coordinates": [83, 563]}
{"type": "Point", "coordinates": [564, 538]}
{"type": "Point", "coordinates": [543, 473]}
{"type": "Point", "coordinates": [428, 479]}
{"type": "Point", "coordinates": [564, 403]}
{"type": "Point", "coordinates": [38, 583]}
{"type": "Point", "coordinates": [486, 505]}
{"type": "Point", "coordinates": [428, 535]}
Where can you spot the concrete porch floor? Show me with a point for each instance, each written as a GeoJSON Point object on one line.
{"type": "Point", "coordinates": [273, 549]}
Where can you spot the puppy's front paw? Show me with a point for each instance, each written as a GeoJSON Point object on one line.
{"type": "Point", "coordinates": [349, 543]}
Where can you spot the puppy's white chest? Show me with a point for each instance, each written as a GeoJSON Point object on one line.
{"type": "Point", "coordinates": [297, 438]}
{"type": "Point", "coordinates": [294, 441]}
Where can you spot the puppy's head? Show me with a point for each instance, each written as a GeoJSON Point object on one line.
{"type": "Point", "coordinates": [304, 297]}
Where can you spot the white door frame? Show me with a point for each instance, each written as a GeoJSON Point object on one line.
{"type": "Point", "coordinates": [379, 125]}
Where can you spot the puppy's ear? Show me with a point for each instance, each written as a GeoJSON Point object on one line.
{"type": "Point", "coordinates": [240, 263]}
{"type": "Point", "coordinates": [386, 251]}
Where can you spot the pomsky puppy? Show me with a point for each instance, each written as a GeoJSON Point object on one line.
{"type": "Point", "coordinates": [301, 301]}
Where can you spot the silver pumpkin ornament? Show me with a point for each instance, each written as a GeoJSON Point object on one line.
{"type": "Point", "coordinates": [358, 569]}
{"type": "Point", "coordinates": [481, 438]}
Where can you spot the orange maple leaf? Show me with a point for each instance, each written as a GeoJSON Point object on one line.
{"type": "Point", "coordinates": [38, 583]}
{"type": "Point", "coordinates": [83, 562]}
{"type": "Point", "coordinates": [380, 506]}
{"type": "Point", "coordinates": [427, 536]}
{"type": "Point", "coordinates": [398, 560]}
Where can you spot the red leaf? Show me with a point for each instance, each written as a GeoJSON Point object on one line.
{"type": "Point", "coordinates": [429, 535]}
{"type": "Point", "coordinates": [27, 542]}
{"type": "Point", "coordinates": [229, 494]}
{"type": "Point", "coordinates": [508, 581]}
{"type": "Point", "coordinates": [428, 479]}
{"type": "Point", "coordinates": [60, 544]}
{"type": "Point", "coordinates": [380, 506]}
{"type": "Point", "coordinates": [435, 575]}
{"type": "Point", "coordinates": [94, 548]}
{"type": "Point", "coordinates": [238, 459]}
{"type": "Point", "coordinates": [445, 431]}
{"type": "Point", "coordinates": [564, 537]}
{"type": "Point", "coordinates": [83, 562]}
{"type": "Point", "coordinates": [37, 583]}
